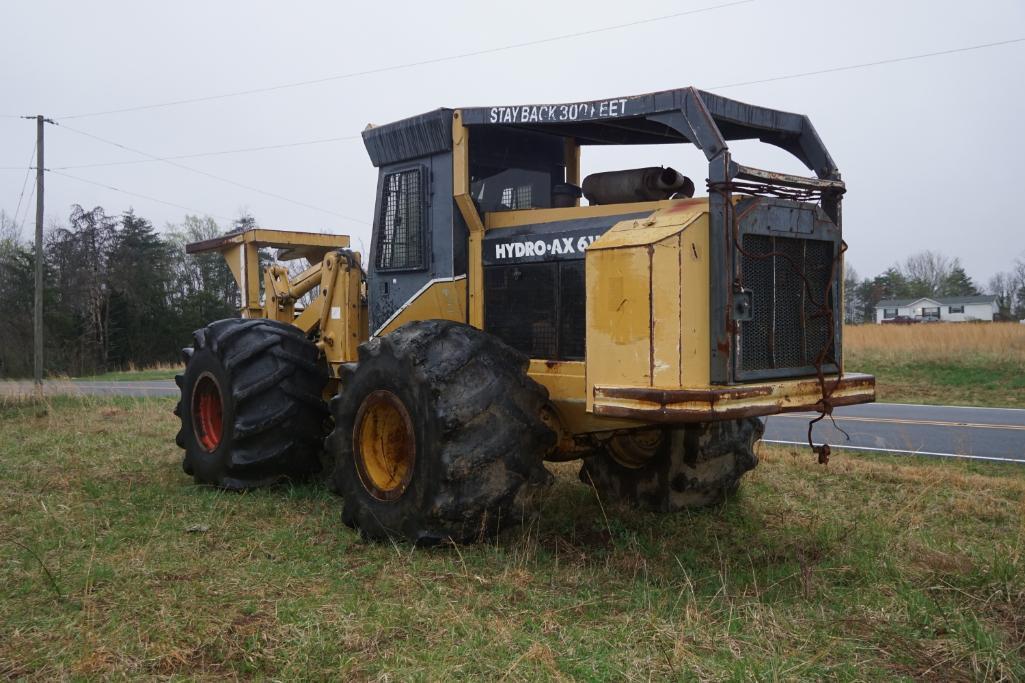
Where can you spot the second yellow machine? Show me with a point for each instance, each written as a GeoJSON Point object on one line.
{"type": "Point", "coordinates": [500, 323]}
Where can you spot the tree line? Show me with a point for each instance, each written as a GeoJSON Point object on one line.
{"type": "Point", "coordinates": [930, 274]}
{"type": "Point", "coordinates": [116, 291]}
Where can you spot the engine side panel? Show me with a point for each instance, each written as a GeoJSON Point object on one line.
{"type": "Point", "coordinates": [534, 286]}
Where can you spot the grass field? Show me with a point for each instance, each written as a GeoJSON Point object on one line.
{"type": "Point", "coordinates": [979, 364]}
{"type": "Point", "coordinates": [134, 374]}
{"type": "Point", "coordinates": [942, 363]}
{"type": "Point", "coordinates": [112, 564]}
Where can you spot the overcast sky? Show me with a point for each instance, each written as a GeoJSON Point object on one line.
{"type": "Point", "coordinates": [928, 147]}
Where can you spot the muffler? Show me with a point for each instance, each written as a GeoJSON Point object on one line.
{"type": "Point", "coordinates": [636, 185]}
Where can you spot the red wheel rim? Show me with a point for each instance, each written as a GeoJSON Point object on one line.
{"type": "Point", "coordinates": [207, 412]}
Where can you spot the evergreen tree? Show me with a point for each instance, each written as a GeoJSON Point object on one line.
{"type": "Point", "coordinates": [139, 275]}
{"type": "Point", "coordinates": [891, 284]}
{"type": "Point", "coordinates": [958, 283]}
{"type": "Point", "coordinates": [17, 268]}
{"type": "Point", "coordinates": [117, 292]}
{"type": "Point", "coordinates": [78, 256]}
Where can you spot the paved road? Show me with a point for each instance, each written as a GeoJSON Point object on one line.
{"type": "Point", "coordinates": [940, 431]}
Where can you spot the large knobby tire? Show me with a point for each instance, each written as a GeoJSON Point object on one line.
{"type": "Point", "coordinates": [251, 408]}
{"type": "Point", "coordinates": [691, 466]}
{"type": "Point", "coordinates": [438, 435]}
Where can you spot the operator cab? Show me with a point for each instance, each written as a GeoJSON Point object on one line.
{"type": "Point", "coordinates": [513, 170]}
{"type": "Point", "coordinates": [481, 217]}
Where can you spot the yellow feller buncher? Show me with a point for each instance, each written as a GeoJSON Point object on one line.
{"type": "Point", "coordinates": [500, 322]}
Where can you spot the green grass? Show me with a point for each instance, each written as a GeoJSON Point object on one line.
{"type": "Point", "coordinates": [134, 375]}
{"type": "Point", "coordinates": [868, 568]}
{"type": "Point", "coordinates": [975, 380]}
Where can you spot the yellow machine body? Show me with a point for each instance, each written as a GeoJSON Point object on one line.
{"type": "Point", "coordinates": [647, 311]}
{"type": "Point", "coordinates": [647, 320]}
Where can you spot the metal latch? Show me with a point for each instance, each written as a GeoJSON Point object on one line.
{"type": "Point", "coordinates": [743, 305]}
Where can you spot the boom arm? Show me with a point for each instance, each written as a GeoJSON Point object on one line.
{"type": "Point", "coordinates": [337, 314]}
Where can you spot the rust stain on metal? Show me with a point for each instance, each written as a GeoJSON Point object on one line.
{"type": "Point", "coordinates": [651, 314]}
{"type": "Point", "coordinates": [684, 204]}
{"type": "Point", "coordinates": [679, 305]}
{"type": "Point", "coordinates": [207, 245]}
{"type": "Point", "coordinates": [663, 414]}
{"type": "Point", "coordinates": [681, 415]}
{"type": "Point", "coordinates": [669, 396]}
{"type": "Point", "coordinates": [710, 404]}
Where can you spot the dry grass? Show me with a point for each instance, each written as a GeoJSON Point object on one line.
{"type": "Point", "coordinates": [869, 568]}
{"type": "Point", "coordinates": [947, 363]}
{"type": "Point", "coordinates": [936, 341]}
{"type": "Point", "coordinates": [132, 367]}
{"type": "Point", "coordinates": [18, 391]}
{"type": "Point", "coordinates": [133, 372]}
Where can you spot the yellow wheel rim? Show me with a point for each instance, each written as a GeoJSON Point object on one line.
{"type": "Point", "coordinates": [384, 445]}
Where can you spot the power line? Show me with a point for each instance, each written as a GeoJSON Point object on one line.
{"type": "Point", "coordinates": [211, 175]}
{"type": "Point", "coordinates": [24, 219]}
{"type": "Point", "coordinates": [135, 194]}
{"type": "Point", "coordinates": [409, 65]}
{"type": "Point", "coordinates": [849, 67]}
{"type": "Point", "coordinates": [170, 160]}
{"type": "Point", "coordinates": [770, 79]}
{"type": "Point", "coordinates": [211, 154]}
{"type": "Point", "coordinates": [865, 65]}
{"type": "Point", "coordinates": [24, 183]}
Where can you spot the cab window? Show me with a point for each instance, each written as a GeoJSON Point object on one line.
{"type": "Point", "coordinates": [402, 221]}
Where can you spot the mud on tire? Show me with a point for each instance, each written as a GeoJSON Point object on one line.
{"type": "Point", "coordinates": [251, 405]}
{"type": "Point", "coordinates": [693, 466]}
{"type": "Point", "coordinates": [475, 439]}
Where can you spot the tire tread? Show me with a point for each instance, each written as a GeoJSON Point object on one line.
{"type": "Point", "coordinates": [277, 379]}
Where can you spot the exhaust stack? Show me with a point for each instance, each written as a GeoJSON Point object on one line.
{"type": "Point", "coordinates": [636, 185]}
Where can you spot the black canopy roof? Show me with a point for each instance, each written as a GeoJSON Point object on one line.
{"type": "Point", "coordinates": [704, 119]}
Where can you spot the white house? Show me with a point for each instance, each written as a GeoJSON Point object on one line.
{"type": "Point", "coordinates": [956, 309]}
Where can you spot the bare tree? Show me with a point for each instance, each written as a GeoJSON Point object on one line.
{"type": "Point", "coordinates": [10, 233]}
{"type": "Point", "coordinates": [1018, 283]}
{"type": "Point", "coordinates": [1009, 289]}
{"type": "Point", "coordinates": [851, 294]}
{"type": "Point", "coordinates": [927, 271]}
{"type": "Point", "coordinates": [1001, 286]}
{"type": "Point", "coordinates": [1018, 273]}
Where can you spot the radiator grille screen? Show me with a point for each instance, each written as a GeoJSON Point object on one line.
{"type": "Point", "coordinates": [572, 324]}
{"type": "Point", "coordinates": [537, 308]}
{"type": "Point", "coordinates": [787, 330]}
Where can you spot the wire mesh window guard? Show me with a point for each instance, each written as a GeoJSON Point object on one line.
{"type": "Point", "coordinates": [401, 232]}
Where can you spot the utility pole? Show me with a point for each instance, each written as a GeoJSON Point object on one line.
{"type": "Point", "coordinates": [37, 322]}
{"type": "Point", "coordinates": [38, 315]}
